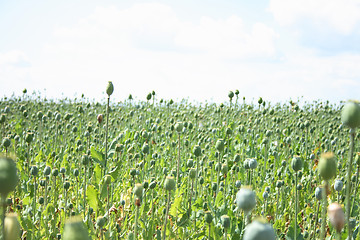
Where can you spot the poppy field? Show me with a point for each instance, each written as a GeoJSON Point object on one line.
{"type": "Point", "coordinates": [162, 169]}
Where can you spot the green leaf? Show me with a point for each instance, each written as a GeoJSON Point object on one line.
{"type": "Point", "coordinates": [175, 207]}
{"type": "Point", "coordinates": [115, 172]}
{"type": "Point", "coordinates": [40, 157]}
{"type": "Point", "coordinates": [92, 197]}
{"type": "Point", "coordinates": [219, 199]}
{"type": "Point", "coordinates": [97, 171]}
{"type": "Point", "coordinates": [97, 156]}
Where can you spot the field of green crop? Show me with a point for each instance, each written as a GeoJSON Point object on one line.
{"type": "Point", "coordinates": [159, 169]}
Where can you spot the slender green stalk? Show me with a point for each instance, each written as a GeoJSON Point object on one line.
{"type": "Point", "coordinates": [296, 206]}
{"type": "Point", "coordinates": [324, 207]}
{"type": "Point", "coordinates": [166, 216]}
{"type": "Point", "coordinates": [316, 219]}
{"type": "Point", "coordinates": [136, 221]}
{"type": "Point", "coordinates": [348, 184]}
{"type": "Point", "coordinates": [209, 231]}
{"type": "Point", "coordinates": [178, 162]}
{"type": "Point", "coordinates": [190, 197]}
{"type": "Point", "coordinates": [197, 174]}
{"type": "Point", "coordinates": [106, 133]}
{"type": "Point", "coordinates": [3, 205]}
{"type": "Point", "coordinates": [85, 175]}
{"type": "Point", "coordinates": [34, 199]}
{"type": "Point", "coordinates": [218, 174]}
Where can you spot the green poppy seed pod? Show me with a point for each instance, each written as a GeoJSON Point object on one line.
{"type": "Point", "coordinates": [220, 145]}
{"type": "Point", "coordinates": [85, 159]}
{"type": "Point", "coordinates": [245, 199]}
{"type": "Point", "coordinates": [336, 216]}
{"type": "Point", "coordinates": [145, 148]}
{"type": "Point", "coordinates": [192, 173]}
{"type": "Point", "coordinates": [197, 151]}
{"type": "Point", "coordinates": [338, 185]}
{"type": "Point", "coordinates": [55, 172]}
{"type": "Point", "coordinates": [327, 166]}
{"type": "Point", "coordinates": [252, 163]}
{"type": "Point", "coordinates": [2, 118]}
{"type": "Point", "coordinates": [237, 92]}
{"type": "Point", "coordinates": [152, 185]}
{"type": "Point", "coordinates": [29, 137]}
{"type": "Point", "coordinates": [74, 229]}
{"type": "Point", "coordinates": [169, 183]}
{"type": "Point", "coordinates": [47, 171]}
{"type": "Point", "coordinates": [119, 147]}
{"type": "Point", "coordinates": [259, 230]}
{"type": "Point", "coordinates": [138, 190]}
{"type": "Point", "coordinates": [107, 179]}
{"type": "Point", "coordinates": [131, 236]}
{"type": "Point", "coordinates": [225, 221]}
{"type": "Point", "coordinates": [350, 114]}
{"type": "Point", "coordinates": [109, 88]}
{"type": "Point", "coordinates": [179, 127]}
{"type": "Point", "coordinates": [246, 164]}
{"type": "Point", "coordinates": [66, 185]}
{"type": "Point", "coordinates": [231, 94]}
{"type": "Point", "coordinates": [229, 131]}
{"type": "Point", "coordinates": [208, 217]}
{"type": "Point", "coordinates": [260, 101]}
{"type": "Point", "coordinates": [12, 227]}
{"type": "Point", "coordinates": [148, 97]}
{"type": "Point", "coordinates": [296, 163]}
{"type": "Point", "coordinates": [8, 175]}
{"type": "Point", "coordinates": [224, 168]}
{"type": "Point", "coordinates": [100, 222]}
{"type": "Point", "coordinates": [6, 142]}
{"type": "Point", "coordinates": [34, 170]}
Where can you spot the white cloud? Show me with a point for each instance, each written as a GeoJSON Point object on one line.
{"type": "Point", "coordinates": [228, 38]}
{"type": "Point", "coordinates": [342, 15]}
{"type": "Point", "coordinates": [12, 57]}
{"type": "Point", "coordinates": [14, 70]}
{"type": "Point", "coordinates": [147, 47]}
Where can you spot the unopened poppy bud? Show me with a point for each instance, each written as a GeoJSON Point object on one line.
{"type": "Point", "coordinates": [231, 94]}
{"type": "Point", "coordinates": [100, 118]}
{"type": "Point", "coordinates": [109, 88]}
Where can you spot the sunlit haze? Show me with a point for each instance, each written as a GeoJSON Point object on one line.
{"type": "Point", "coordinates": [197, 50]}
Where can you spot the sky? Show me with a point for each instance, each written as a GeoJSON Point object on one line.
{"type": "Point", "coordinates": [199, 50]}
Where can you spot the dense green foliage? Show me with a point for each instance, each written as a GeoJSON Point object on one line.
{"type": "Point", "coordinates": [59, 149]}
